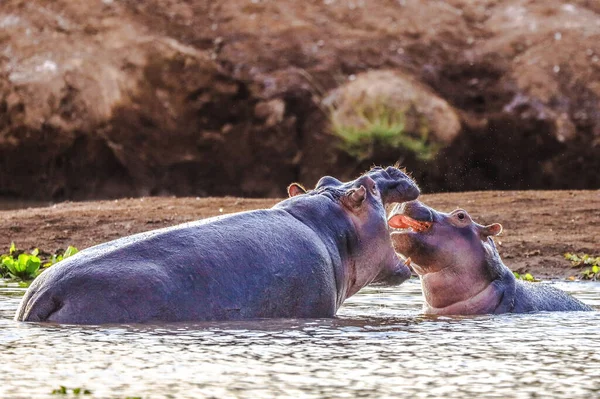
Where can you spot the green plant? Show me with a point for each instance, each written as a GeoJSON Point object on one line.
{"type": "Point", "coordinates": [525, 277]}
{"type": "Point", "coordinates": [590, 273]}
{"type": "Point", "coordinates": [18, 264]}
{"type": "Point", "coordinates": [75, 391]}
{"type": "Point", "coordinates": [383, 125]}
{"type": "Point", "coordinates": [70, 251]}
{"type": "Point", "coordinates": [24, 266]}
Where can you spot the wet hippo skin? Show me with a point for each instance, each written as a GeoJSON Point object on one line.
{"type": "Point", "coordinates": [460, 269]}
{"type": "Point", "coordinates": [300, 259]}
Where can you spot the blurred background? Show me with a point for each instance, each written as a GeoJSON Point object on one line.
{"type": "Point", "coordinates": [114, 98]}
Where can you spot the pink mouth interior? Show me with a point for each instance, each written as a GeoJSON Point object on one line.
{"type": "Point", "coordinates": [405, 222]}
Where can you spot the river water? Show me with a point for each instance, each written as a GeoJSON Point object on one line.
{"type": "Point", "coordinates": [380, 346]}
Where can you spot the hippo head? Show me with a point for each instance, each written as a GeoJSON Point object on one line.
{"type": "Point", "coordinates": [371, 256]}
{"type": "Point", "coordinates": [453, 255]}
{"type": "Point", "coordinates": [394, 185]}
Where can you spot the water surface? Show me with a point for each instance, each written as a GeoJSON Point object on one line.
{"type": "Point", "coordinates": [380, 346]}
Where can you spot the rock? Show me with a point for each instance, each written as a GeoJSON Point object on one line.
{"type": "Point", "coordinates": [394, 91]}
{"type": "Point", "coordinates": [270, 111]}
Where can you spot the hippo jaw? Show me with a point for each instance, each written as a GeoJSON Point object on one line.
{"type": "Point", "coordinates": [410, 226]}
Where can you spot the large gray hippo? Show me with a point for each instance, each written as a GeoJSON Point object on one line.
{"type": "Point", "coordinates": [300, 259]}
{"type": "Point", "coordinates": [460, 269]}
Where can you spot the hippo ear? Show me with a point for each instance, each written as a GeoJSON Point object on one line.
{"type": "Point", "coordinates": [491, 230]}
{"type": "Point", "coordinates": [354, 197]}
{"type": "Point", "coordinates": [295, 189]}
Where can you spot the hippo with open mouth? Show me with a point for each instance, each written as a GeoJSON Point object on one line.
{"type": "Point", "coordinates": [460, 269]}
{"type": "Point", "coordinates": [300, 259]}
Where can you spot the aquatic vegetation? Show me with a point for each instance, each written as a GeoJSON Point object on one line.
{"type": "Point", "coordinates": [75, 391]}
{"type": "Point", "coordinates": [26, 266]}
{"type": "Point", "coordinates": [63, 390]}
{"type": "Point", "coordinates": [590, 273]}
{"type": "Point", "coordinates": [526, 277]}
{"type": "Point", "coordinates": [381, 125]}
{"type": "Point", "coordinates": [70, 251]}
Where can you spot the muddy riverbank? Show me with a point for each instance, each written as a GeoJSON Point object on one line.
{"type": "Point", "coordinates": [539, 226]}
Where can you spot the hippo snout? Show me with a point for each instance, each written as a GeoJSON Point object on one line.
{"type": "Point", "coordinates": [407, 190]}
{"type": "Point", "coordinates": [394, 185]}
{"type": "Point", "coordinates": [415, 210]}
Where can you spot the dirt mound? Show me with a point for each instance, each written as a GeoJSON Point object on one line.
{"type": "Point", "coordinates": [104, 99]}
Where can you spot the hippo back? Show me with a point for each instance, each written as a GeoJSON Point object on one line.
{"type": "Point", "coordinates": [207, 270]}
{"type": "Point", "coordinates": [534, 297]}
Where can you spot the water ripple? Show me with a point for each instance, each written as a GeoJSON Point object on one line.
{"type": "Point", "coordinates": [379, 346]}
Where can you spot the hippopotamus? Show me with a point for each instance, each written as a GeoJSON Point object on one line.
{"type": "Point", "coordinates": [299, 259]}
{"type": "Point", "coordinates": [460, 269]}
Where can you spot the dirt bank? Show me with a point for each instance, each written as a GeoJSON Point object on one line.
{"type": "Point", "coordinates": [103, 99]}
{"type": "Point", "coordinates": [539, 226]}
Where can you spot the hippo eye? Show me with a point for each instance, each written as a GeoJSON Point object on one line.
{"type": "Point", "coordinates": [461, 216]}
{"type": "Point", "coordinates": [374, 190]}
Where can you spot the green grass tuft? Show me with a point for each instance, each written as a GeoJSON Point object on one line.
{"type": "Point", "coordinates": [382, 125]}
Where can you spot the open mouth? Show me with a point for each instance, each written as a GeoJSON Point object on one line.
{"type": "Point", "coordinates": [404, 223]}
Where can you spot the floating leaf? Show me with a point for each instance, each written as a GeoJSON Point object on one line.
{"type": "Point", "coordinates": [60, 391]}
{"type": "Point", "coordinates": [70, 251]}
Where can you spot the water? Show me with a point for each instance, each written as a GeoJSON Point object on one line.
{"type": "Point", "coordinates": [380, 346]}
